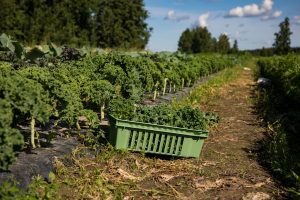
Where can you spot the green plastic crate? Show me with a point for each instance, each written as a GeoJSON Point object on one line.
{"type": "Point", "coordinates": [156, 139]}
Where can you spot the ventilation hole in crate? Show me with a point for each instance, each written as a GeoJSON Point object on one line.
{"type": "Point", "coordinates": [157, 142]}
{"type": "Point", "coordinates": [173, 138]}
{"type": "Point", "coordinates": [180, 145]}
{"type": "Point", "coordinates": [130, 139]}
{"type": "Point", "coordinates": [146, 141]}
{"type": "Point", "coordinates": [163, 144]}
{"type": "Point", "coordinates": [136, 137]}
{"type": "Point", "coordinates": [167, 144]}
{"type": "Point", "coordinates": [150, 142]}
{"type": "Point", "coordinates": [176, 141]}
{"type": "Point", "coordinates": [141, 140]}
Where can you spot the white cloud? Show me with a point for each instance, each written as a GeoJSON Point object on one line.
{"type": "Point", "coordinates": [267, 4]}
{"type": "Point", "coordinates": [252, 10]}
{"type": "Point", "coordinates": [277, 13]}
{"type": "Point", "coordinates": [297, 19]}
{"type": "Point", "coordinates": [273, 15]}
{"type": "Point", "coordinates": [171, 15]}
{"type": "Point", "coordinates": [202, 20]}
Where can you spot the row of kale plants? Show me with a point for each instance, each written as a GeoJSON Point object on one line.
{"type": "Point", "coordinates": [65, 91]}
{"type": "Point", "coordinates": [280, 107]}
{"type": "Point", "coordinates": [284, 72]}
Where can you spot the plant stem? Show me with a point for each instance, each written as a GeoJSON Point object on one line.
{"type": "Point", "coordinates": [154, 95]}
{"type": "Point", "coordinates": [165, 85]}
{"type": "Point", "coordinates": [170, 89]}
{"type": "Point", "coordinates": [155, 90]}
{"type": "Point", "coordinates": [77, 125]}
{"type": "Point", "coordinates": [102, 111]}
{"type": "Point", "coordinates": [32, 124]}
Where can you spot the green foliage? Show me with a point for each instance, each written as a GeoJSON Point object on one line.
{"type": "Point", "coordinates": [223, 45]}
{"type": "Point", "coordinates": [184, 117]}
{"type": "Point", "coordinates": [199, 39]}
{"type": "Point", "coordinates": [11, 50]}
{"type": "Point", "coordinates": [98, 91]}
{"type": "Point", "coordinates": [121, 108]}
{"type": "Point", "coordinates": [38, 189]}
{"type": "Point", "coordinates": [284, 73]}
{"type": "Point", "coordinates": [91, 116]}
{"type": "Point", "coordinates": [6, 42]}
{"type": "Point", "coordinates": [235, 48]}
{"type": "Point", "coordinates": [9, 45]}
{"type": "Point", "coordinates": [10, 138]}
{"type": "Point", "coordinates": [69, 90]}
{"type": "Point", "coordinates": [83, 22]}
{"type": "Point", "coordinates": [280, 107]}
{"type": "Point", "coordinates": [93, 139]}
{"type": "Point", "coordinates": [42, 21]}
{"type": "Point", "coordinates": [185, 42]}
{"type": "Point", "coordinates": [27, 96]}
{"type": "Point", "coordinates": [121, 23]}
{"type": "Point", "coordinates": [282, 38]}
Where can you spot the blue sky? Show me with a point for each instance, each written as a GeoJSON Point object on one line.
{"type": "Point", "coordinates": [251, 22]}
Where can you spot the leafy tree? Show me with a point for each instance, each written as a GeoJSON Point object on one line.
{"type": "Point", "coordinates": [185, 41]}
{"type": "Point", "coordinates": [235, 48]}
{"type": "Point", "coordinates": [201, 40]}
{"type": "Point", "coordinates": [62, 22]}
{"type": "Point", "coordinates": [121, 24]}
{"type": "Point", "coordinates": [214, 44]}
{"type": "Point", "coordinates": [12, 19]}
{"type": "Point", "coordinates": [108, 23]}
{"type": "Point", "coordinates": [223, 44]}
{"type": "Point", "coordinates": [282, 38]}
{"type": "Point", "coordinates": [266, 52]}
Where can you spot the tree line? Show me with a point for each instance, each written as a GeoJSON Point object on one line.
{"type": "Point", "coordinates": [199, 40]}
{"type": "Point", "coordinates": [102, 23]}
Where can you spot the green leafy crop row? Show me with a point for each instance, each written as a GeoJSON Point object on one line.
{"type": "Point", "coordinates": [184, 117]}
{"type": "Point", "coordinates": [284, 73]}
{"type": "Point", "coordinates": [280, 106]}
{"type": "Point", "coordinates": [65, 91]}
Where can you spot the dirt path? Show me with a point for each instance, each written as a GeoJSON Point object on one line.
{"type": "Point", "coordinates": [229, 165]}
{"type": "Point", "coordinates": [233, 171]}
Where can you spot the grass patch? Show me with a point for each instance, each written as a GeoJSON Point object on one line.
{"type": "Point", "coordinates": [205, 93]}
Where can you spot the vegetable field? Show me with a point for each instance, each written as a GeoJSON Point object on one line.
{"type": "Point", "coordinates": [65, 91]}
{"type": "Point", "coordinates": [79, 95]}
{"type": "Point", "coordinates": [142, 99]}
{"type": "Point", "coordinates": [69, 89]}
{"type": "Point", "coordinates": [279, 106]}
